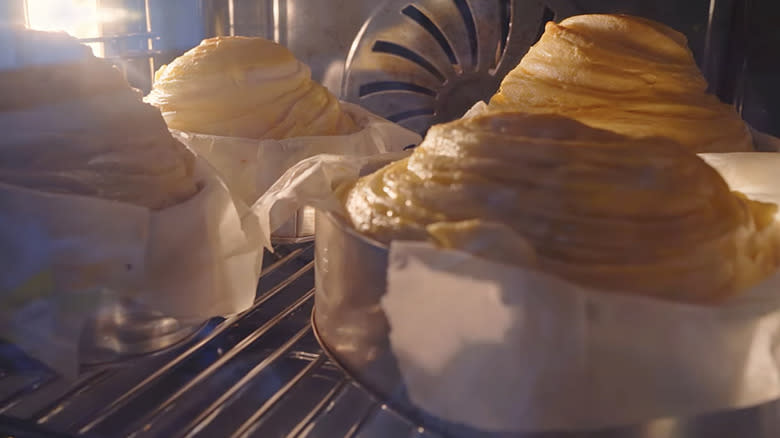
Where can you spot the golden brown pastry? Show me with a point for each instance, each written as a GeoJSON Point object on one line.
{"type": "Point", "coordinates": [604, 210]}
{"type": "Point", "coordinates": [625, 74]}
{"type": "Point", "coordinates": [77, 127]}
{"type": "Point", "coordinates": [246, 87]}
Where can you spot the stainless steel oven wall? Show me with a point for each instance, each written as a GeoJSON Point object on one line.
{"type": "Point", "coordinates": [734, 41]}
{"type": "Point", "coordinates": [178, 25]}
{"type": "Point", "coordinates": [321, 32]}
{"type": "Point", "coordinates": [426, 61]}
{"type": "Point", "coordinates": [758, 94]}
{"type": "Point", "coordinates": [12, 11]}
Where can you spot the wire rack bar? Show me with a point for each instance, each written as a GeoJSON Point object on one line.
{"type": "Point", "coordinates": [248, 377]}
{"type": "Point", "coordinates": [28, 389]}
{"type": "Point", "coordinates": [209, 370]}
{"type": "Point", "coordinates": [116, 404]}
{"type": "Point", "coordinates": [43, 415]}
{"type": "Point", "coordinates": [292, 255]}
{"type": "Point", "coordinates": [276, 397]}
{"type": "Point", "coordinates": [353, 431]}
{"type": "Point", "coordinates": [310, 400]}
{"type": "Point", "coordinates": [318, 408]}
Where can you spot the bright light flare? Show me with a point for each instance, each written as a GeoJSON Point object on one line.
{"type": "Point", "coordinates": [79, 18]}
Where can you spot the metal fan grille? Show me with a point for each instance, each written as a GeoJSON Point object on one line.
{"type": "Point", "coordinates": [427, 62]}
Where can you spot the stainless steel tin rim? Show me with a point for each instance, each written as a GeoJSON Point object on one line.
{"type": "Point", "coordinates": [352, 329]}
{"type": "Point", "coordinates": [124, 331]}
{"type": "Point", "coordinates": [366, 386]}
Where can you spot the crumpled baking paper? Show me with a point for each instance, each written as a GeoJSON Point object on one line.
{"type": "Point", "coordinates": [502, 348]}
{"type": "Point", "coordinates": [64, 256]}
{"type": "Point", "coordinates": [312, 182]}
{"type": "Point", "coordinates": [505, 348]}
{"type": "Point", "coordinates": [249, 167]}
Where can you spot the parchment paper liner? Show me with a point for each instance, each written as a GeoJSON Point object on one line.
{"type": "Point", "coordinates": [249, 167]}
{"type": "Point", "coordinates": [71, 254]}
{"type": "Point", "coordinates": [465, 358]}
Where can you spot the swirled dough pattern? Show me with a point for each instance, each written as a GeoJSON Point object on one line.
{"type": "Point", "coordinates": [246, 87]}
{"type": "Point", "coordinates": [625, 74]}
{"type": "Point", "coordinates": [601, 209]}
{"type": "Point", "coordinates": [77, 127]}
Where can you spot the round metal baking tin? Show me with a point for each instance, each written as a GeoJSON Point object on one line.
{"type": "Point", "coordinates": [124, 329]}
{"type": "Point", "coordinates": [351, 274]}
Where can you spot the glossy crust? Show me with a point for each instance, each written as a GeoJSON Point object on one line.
{"type": "Point", "coordinates": [604, 210]}
{"type": "Point", "coordinates": [79, 128]}
{"type": "Point", "coordinates": [246, 87]}
{"type": "Point", "coordinates": [625, 74]}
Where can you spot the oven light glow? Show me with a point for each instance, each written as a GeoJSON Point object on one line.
{"type": "Point", "coordinates": [79, 18]}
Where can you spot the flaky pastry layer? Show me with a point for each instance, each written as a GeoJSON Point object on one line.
{"type": "Point", "coordinates": [598, 208]}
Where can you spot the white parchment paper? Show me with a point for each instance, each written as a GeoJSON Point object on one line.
{"type": "Point", "coordinates": [504, 348]}
{"type": "Point", "coordinates": [249, 167]}
{"type": "Point", "coordinates": [65, 253]}
{"type": "Point", "coordinates": [313, 182]}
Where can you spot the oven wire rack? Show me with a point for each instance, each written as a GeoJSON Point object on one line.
{"type": "Point", "coordinates": [258, 374]}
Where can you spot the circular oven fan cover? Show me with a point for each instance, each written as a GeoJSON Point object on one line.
{"type": "Point", "coordinates": [429, 61]}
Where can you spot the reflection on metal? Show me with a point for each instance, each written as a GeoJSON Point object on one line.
{"type": "Point", "coordinates": [350, 323]}
{"type": "Point", "coordinates": [427, 62]}
{"type": "Point", "coordinates": [257, 374]}
{"type": "Point", "coordinates": [80, 19]}
{"type": "Point", "coordinates": [298, 229]}
{"type": "Point", "coordinates": [123, 328]}
{"type": "Point", "coordinates": [261, 373]}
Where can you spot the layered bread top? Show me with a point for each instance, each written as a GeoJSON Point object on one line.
{"type": "Point", "coordinates": [601, 209]}
{"type": "Point", "coordinates": [625, 74]}
{"type": "Point", "coordinates": [246, 87]}
{"type": "Point", "coordinates": [70, 123]}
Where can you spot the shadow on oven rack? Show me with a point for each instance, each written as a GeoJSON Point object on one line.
{"type": "Point", "coordinates": [259, 374]}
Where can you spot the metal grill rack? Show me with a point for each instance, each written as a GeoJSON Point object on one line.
{"type": "Point", "coordinates": [257, 374]}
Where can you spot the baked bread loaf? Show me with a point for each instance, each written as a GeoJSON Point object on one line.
{"type": "Point", "coordinates": [625, 74]}
{"type": "Point", "coordinates": [246, 87]}
{"type": "Point", "coordinates": [77, 127]}
{"type": "Point", "coordinates": [598, 208]}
